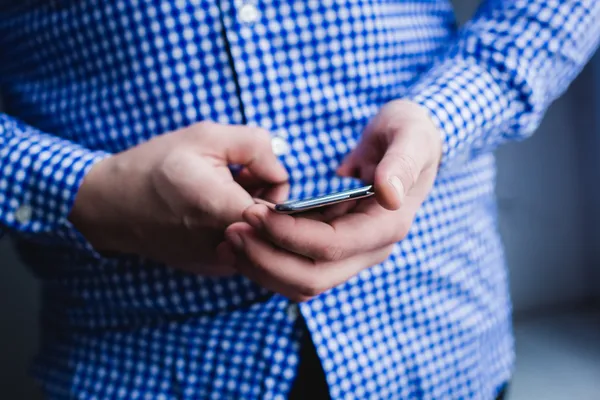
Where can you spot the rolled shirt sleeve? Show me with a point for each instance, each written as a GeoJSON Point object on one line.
{"type": "Point", "coordinates": [40, 175]}
{"type": "Point", "coordinates": [504, 69]}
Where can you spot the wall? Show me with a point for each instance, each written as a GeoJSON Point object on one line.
{"type": "Point", "coordinates": [540, 201]}
{"type": "Point", "coordinates": [592, 162]}
{"type": "Point", "coordinates": [596, 182]}
{"type": "Point", "coordinates": [541, 192]}
{"type": "Point", "coordinates": [19, 334]}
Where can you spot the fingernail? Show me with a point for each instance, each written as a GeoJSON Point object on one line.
{"type": "Point", "coordinates": [235, 240]}
{"type": "Point", "coordinates": [398, 187]}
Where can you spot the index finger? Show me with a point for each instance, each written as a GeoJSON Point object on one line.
{"type": "Point", "coordinates": [350, 234]}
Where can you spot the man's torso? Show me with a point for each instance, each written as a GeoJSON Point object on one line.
{"type": "Point", "coordinates": [432, 321]}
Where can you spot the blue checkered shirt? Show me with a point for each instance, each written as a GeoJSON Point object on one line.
{"type": "Point", "coordinates": [84, 79]}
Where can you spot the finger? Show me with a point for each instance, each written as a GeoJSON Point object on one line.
{"type": "Point", "coordinates": [291, 275]}
{"type": "Point", "coordinates": [322, 213]}
{"type": "Point", "coordinates": [352, 164]}
{"type": "Point", "coordinates": [337, 210]}
{"type": "Point", "coordinates": [222, 199]}
{"type": "Point", "coordinates": [302, 235]}
{"type": "Point", "coordinates": [349, 167]}
{"type": "Point", "coordinates": [252, 148]}
{"type": "Point", "coordinates": [202, 188]}
{"type": "Point", "coordinates": [396, 173]}
{"type": "Point", "coordinates": [256, 193]}
{"type": "Point", "coordinates": [248, 180]}
{"type": "Point", "coordinates": [362, 169]}
{"type": "Point", "coordinates": [268, 204]}
{"type": "Point", "coordinates": [276, 193]}
{"type": "Point", "coordinates": [279, 271]}
{"type": "Point", "coordinates": [342, 238]}
{"type": "Point", "coordinates": [258, 189]}
{"type": "Point", "coordinates": [367, 153]}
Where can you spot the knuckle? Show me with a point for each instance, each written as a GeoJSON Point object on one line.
{"type": "Point", "coordinates": [408, 165]}
{"type": "Point", "coordinates": [311, 287]}
{"type": "Point", "coordinates": [261, 137]}
{"type": "Point", "coordinates": [171, 172]}
{"type": "Point", "coordinates": [260, 134]}
{"type": "Point", "coordinates": [402, 229]}
{"type": "Point", "coordinates": [204, 126]}
{"type": "Point", "coordinates": [169, 167]}
{"type": "Point", "coordinates": [285, 239]}
{"type": "Point", "coordinates": [201, 130]}
{"type": "Point", "coordinates": [331, 252]}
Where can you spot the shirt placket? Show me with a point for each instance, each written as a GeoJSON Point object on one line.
{"type": "Point", "coordinates": [245, 26]}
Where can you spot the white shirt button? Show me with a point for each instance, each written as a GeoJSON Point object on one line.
{"type": "Point", "coordinates": [280, 146]}
{"type": "Point", "coordinates": [248, 13]}
{"type": "Point", "coordinates": [292, 312]}
{"type": "Point", "coordinates": [23, 214]}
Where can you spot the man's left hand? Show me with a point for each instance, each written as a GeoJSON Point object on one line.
{"type": "Point", "coordinates": [303, 256]}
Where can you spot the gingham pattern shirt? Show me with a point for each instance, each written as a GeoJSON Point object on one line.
{"type": "Point", "coordinates": [83, 79]}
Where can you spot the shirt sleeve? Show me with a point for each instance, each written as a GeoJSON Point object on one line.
{"type": "Point", "coordinates": [39, 178]}
{"type": "Point", "coordinates": [504, 69]}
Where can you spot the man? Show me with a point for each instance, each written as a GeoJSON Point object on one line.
{"type": "Point", "coordinates": [161, 276]}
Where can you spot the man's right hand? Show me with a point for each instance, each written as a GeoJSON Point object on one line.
{"type": "Point", "coordinates": [171, 198]}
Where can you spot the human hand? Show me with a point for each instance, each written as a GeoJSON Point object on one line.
{"type": "Point", "coordinates": [303, 256]}
{"type": "Point", "coordinates": [171, 198]}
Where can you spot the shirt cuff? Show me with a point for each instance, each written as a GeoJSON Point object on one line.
{"type": "Point", "coordinates": [39, 179]}
{"type": "Point", "coordinates": [468, 103]}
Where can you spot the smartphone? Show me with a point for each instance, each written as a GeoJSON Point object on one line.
{"type": "Point", "coordinates": [297, 206]}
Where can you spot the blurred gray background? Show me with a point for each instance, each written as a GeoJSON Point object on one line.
{"type": "Point", "coordinates": [549, 201]}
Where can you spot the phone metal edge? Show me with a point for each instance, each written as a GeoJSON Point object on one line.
{"type": "Point", "coordinates": [322, 201]}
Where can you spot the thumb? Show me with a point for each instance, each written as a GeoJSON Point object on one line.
{"type": "Point", "coordinates": [223, 200]}
{"type": "Point", "coordinates": [251, 147]}
{"type": "Point", "coordinates": [395, 175]}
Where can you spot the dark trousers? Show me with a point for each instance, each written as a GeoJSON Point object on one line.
{"type": "Point", "coordinates": [310, 383]}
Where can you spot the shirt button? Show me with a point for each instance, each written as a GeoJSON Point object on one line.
{"type": "Point", "coordinates": [248, 13]}
{"type": "Point", "coordinates": [280, 146]}
{"type": "Point", "coordinates": [23, 214]}
{"type": "Point", "coordinates": [292, 312]}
